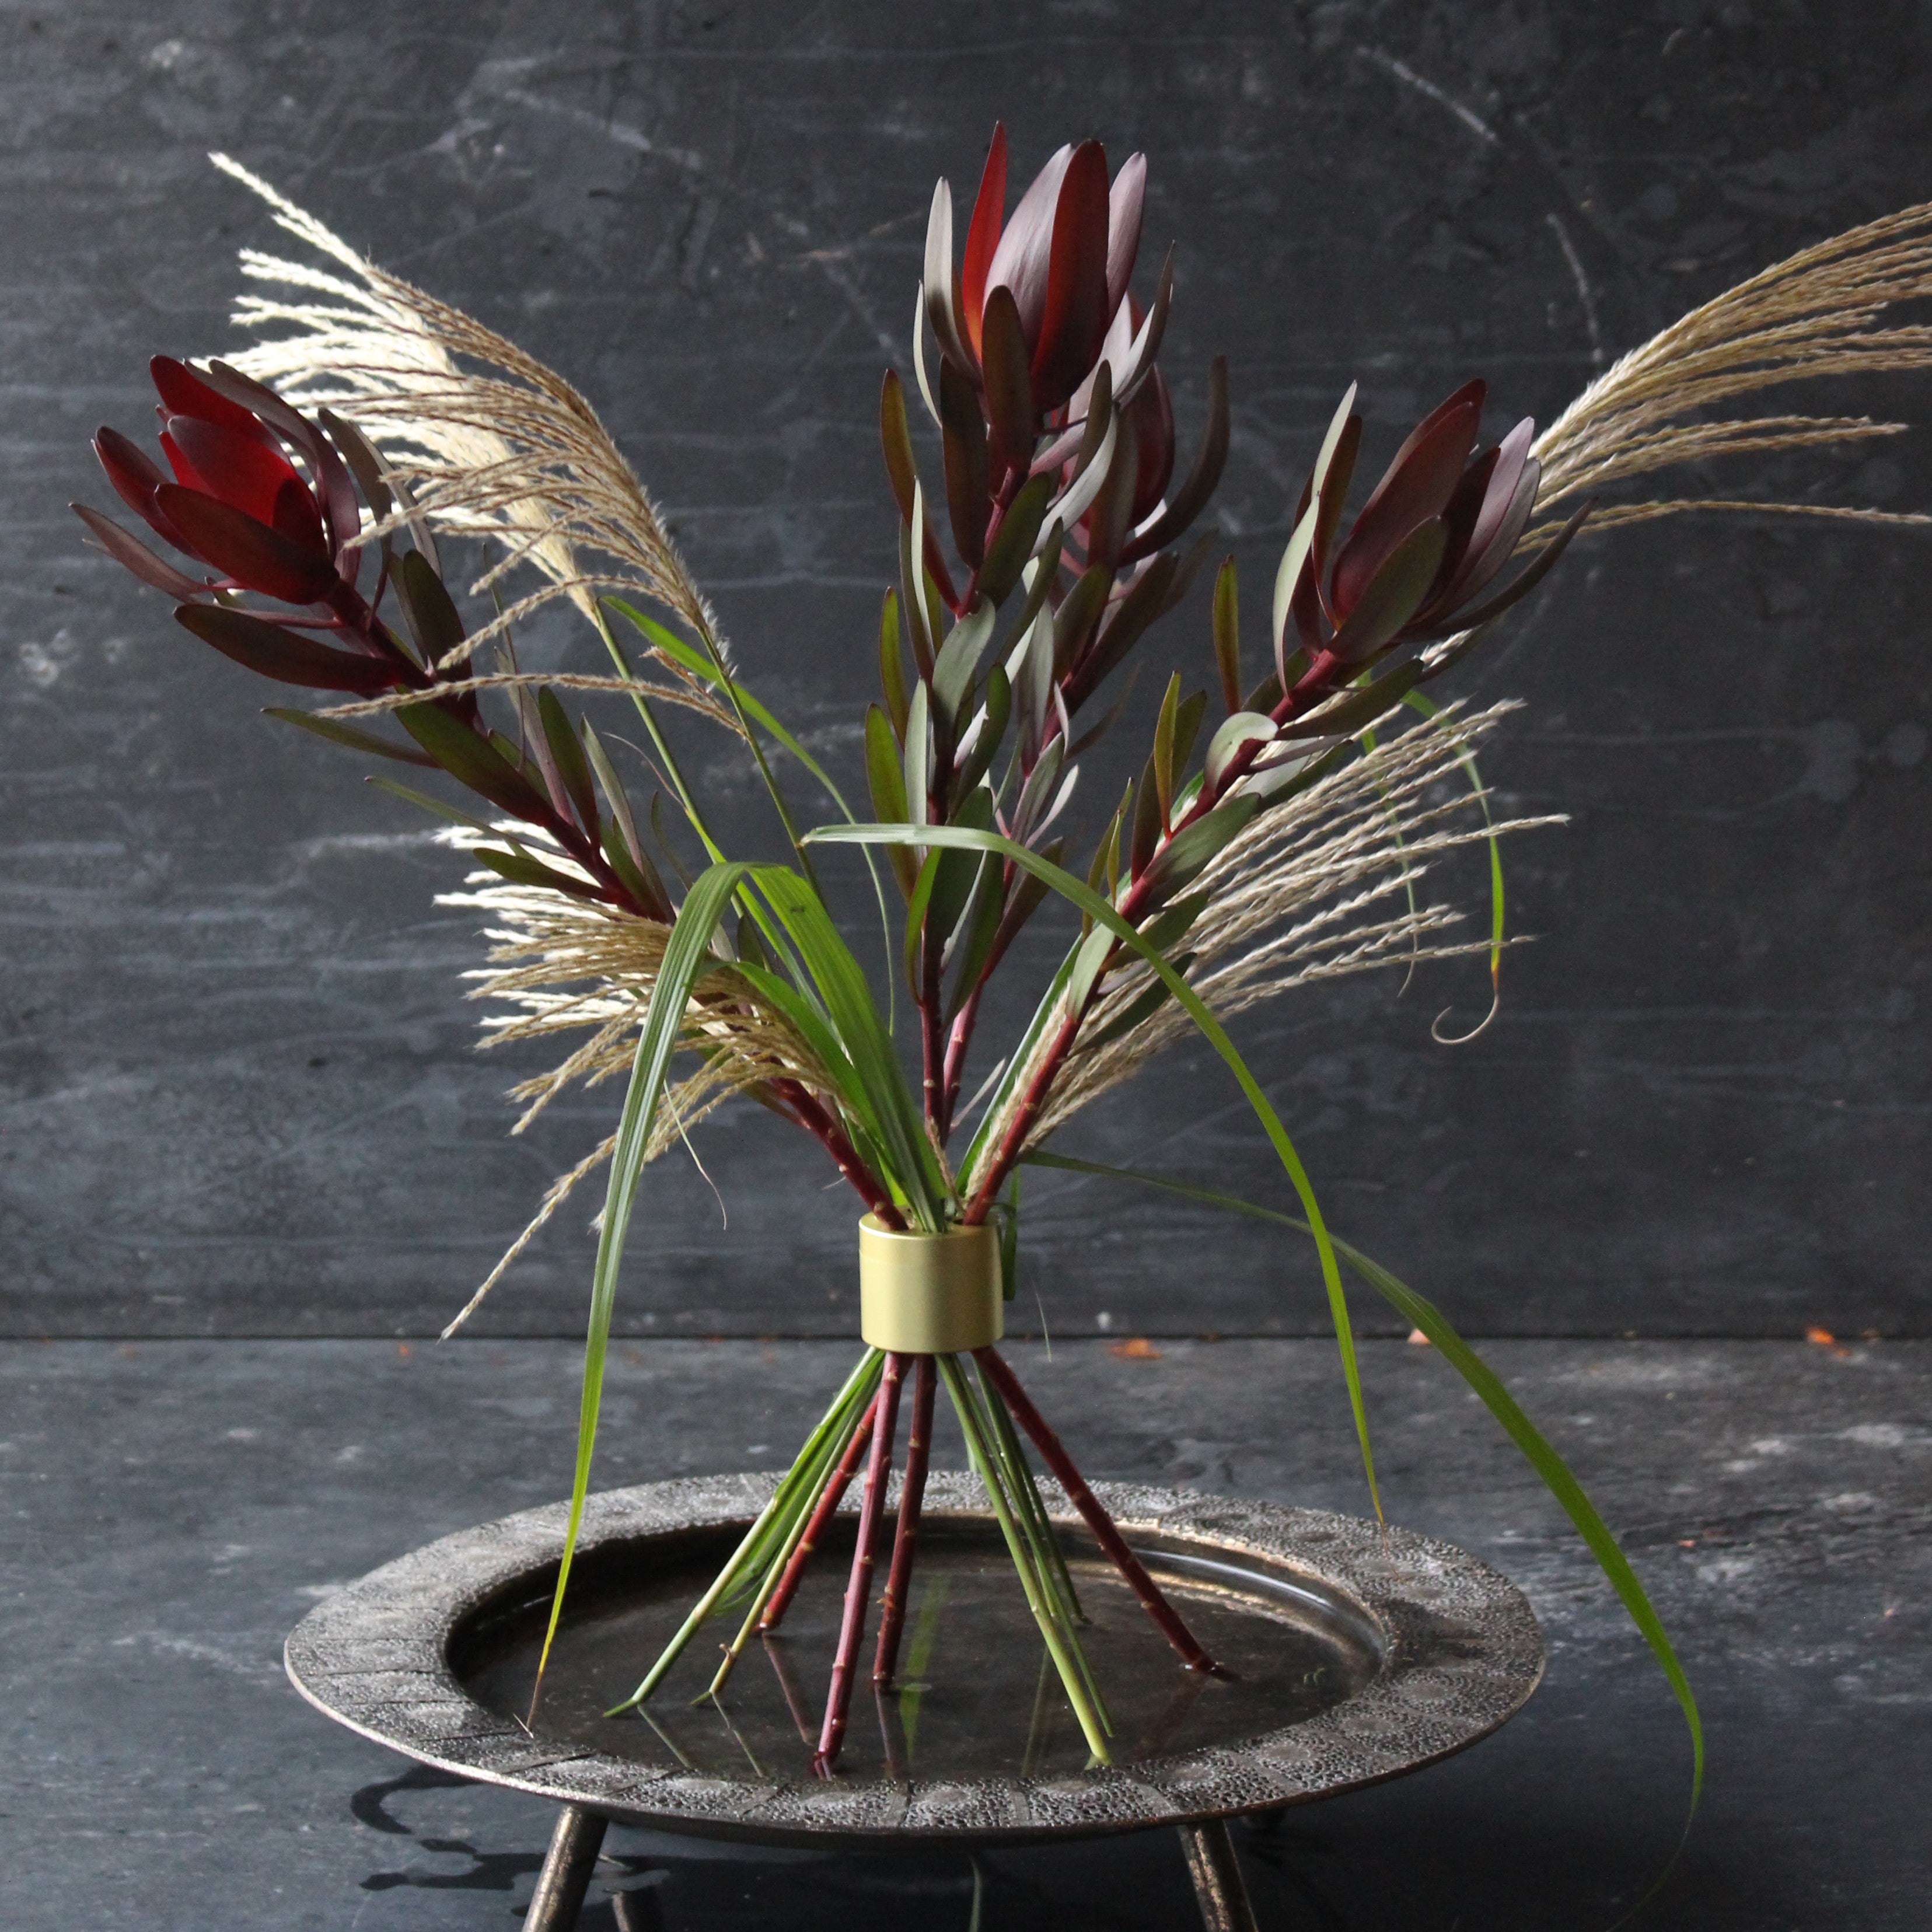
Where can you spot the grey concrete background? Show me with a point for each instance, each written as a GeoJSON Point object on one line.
{"type": "Point", "coordinates": [239, 1096]}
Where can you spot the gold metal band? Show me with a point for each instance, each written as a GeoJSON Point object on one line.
{"type": "Point", "coordinates": [929, 1295]}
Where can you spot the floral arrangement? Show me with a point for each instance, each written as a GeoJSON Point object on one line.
{"type": "Point", "coordinates": [1283, 819]}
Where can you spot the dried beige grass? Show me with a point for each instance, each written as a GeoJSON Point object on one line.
{"type": "Point", "coordinates": [491, 442]}
{"type": "Point", "coordinates": [1301, 894]}
{"type": "Point", "coordinates": [1821, 312]}
{"type": "Point", "coordinates": [560, 966]}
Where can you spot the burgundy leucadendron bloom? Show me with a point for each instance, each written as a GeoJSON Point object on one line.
{"type": "Point", "coordinates": [1065, 259]}
{"type": "Point", "coordinates": [1435, 534]}
{"type": "Point", "coordinates": [234, 502]}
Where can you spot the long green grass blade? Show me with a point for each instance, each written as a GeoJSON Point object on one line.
{"type": "Point", "coordinates": [854, 1016]}
{"type": "Point", "coordinates": [705, 665]}
{"type": "Point", "coordinates": [1424, 1314]}
{"type": "Point", "coordinates": [685, 957]}
{"type": "Point", "coordinates": [1103, 913]}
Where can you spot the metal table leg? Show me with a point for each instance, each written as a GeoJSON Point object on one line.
{"type": "Point", "coordinates": [567, 1867]}
{"type": "Point", "coordinates": [1217, 1874]}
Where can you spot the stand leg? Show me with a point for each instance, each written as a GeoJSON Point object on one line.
{"type": "Point", "coordinates": [567, 1867]}
{"type": "Point", "coordinates": [1217, 1874]}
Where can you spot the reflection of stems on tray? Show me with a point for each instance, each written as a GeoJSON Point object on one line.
{"type": "Point", "coordinates": [895, 1762]}
{"type": "Point", "coordinates": [1039, 1726]}
{"type": "Point", "coordinates": [925, 1636]}
{"type": "Point", "coordinates": [724, 1717]}
{"type": "Point", "coordinates": [1173, 1714]}
{"type": "Point", "coordinates": [775, 1649]}
{"type": "Point", "coordinates": [666, 1739]}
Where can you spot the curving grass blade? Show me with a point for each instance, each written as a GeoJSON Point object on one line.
{"type": "Point", "coordinates": [1422, 1313]}
{"type": "Point", "coordinates": [685, 956]}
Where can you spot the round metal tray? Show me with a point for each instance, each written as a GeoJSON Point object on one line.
{"type": "Point", "coordinates": [1452, 1651]}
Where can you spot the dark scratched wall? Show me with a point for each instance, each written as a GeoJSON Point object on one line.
{"type": "Point", "coordinates": [237, 1090]}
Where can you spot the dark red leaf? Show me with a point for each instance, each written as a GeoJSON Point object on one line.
{"type": "Point", "coordinates": [1151, 413]}
{"type": "Point", "coordinates": [335, 489]}
{"type": "Point", "coordinates": [246, 476]}
{"type": "Point", "coordinates": [1526, 579]}
{"type": "Point", "coordinates": [1415, 487]}
{"type": "Point", "coordinates": [896, 440]}
{"type": "Point", "coordinates": [136, 478]}
{"type": "Point", "coordinates": [1075, 322]}
{"type": "Point", "coordinates": [257, 557]}
{"type": "Point", "coordinates": [284, 655]}
{"type": "Point", "coordinates": [983, 236]}
{"type": "Point", "coordinates": [1209, 460]}
{"type": "Point", "coordinates": [1499, 507]}
{"type": "Point", "coordinates": [1124, 205]}
{"type": "Point", "coordinates": [963, 439]}
{"type": "Point", "coordinates": [1020, 262]}
{"type": "Point", "coordinates": [131, 554]}
{"type": "Point", "coordinates": [1003, 357]}
{"type": "Point", "coordinates": [185, 392]}
{"type": "Point", "coordinates": [1393, 596]}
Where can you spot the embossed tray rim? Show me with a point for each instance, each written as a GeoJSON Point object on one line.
{"type": "Point", "coordinates": [374, 1656]}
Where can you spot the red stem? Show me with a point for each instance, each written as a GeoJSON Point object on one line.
{"type": "Point", "coordinates": [829, 1498]}
{"type": "Point", "coordinates": [852, 1626]}
{"type": "Point", "coordinates": [898, 1578]}
{"type": "Point", "coordinates": [1166, 1620]}
{"type": "Point", "coordinates": [1313, 686]}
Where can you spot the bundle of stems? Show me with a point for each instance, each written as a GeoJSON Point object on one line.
{"type": "Point", "coordinates": [1285, 842]}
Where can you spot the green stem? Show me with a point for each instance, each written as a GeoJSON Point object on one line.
{"type": "Point", "coordinates": [1073, 1677]}
{"type": "Point", "coordinates": [758, 1537]}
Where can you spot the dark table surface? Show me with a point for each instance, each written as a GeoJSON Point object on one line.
{"type": "Point", "coordinates": [175, 1506]}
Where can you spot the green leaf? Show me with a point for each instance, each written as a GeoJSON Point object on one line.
{"type": "Point", "coordinates": [891, 664]}
{"type": "Point", "coordinates": [1104, 913]}
{"type": "Point", "coordinates": [1227, 634]}
{"type": "Point", "coordinates": [687, 957]}
{"type": "Point", "coordinates": [854, 1016]}
{"type": "Point", "coordinates": [1488, 1387]}
{"type": "Point", "coordinates": [918, 760]}
{"type": "Point", "coordinates": [999, 707]}
{"type": "Point", "coordinates": [958, 659]}
{"type": "Point", "coordinates": [571, 764]}
{"type": "Point", "coordinates": [338, 733]}
{"type": "Point", "coordinates": [1078, 612]}
{"type": "Point", "coordinates": [887, 781]}
{"type": "Point", "coordinates": [1163, 747]}
{"type": "Point", "coordinates": [1013, 542]}
{"type": "Point", "coordinates": [957, 871]}
{"type": "Point", "coordinates": [1238, 728]}
{"type": "Point", "coordinates": [472, 759]}
{"type": "Point", "coordinates": [1182, 858]}
{"type": "Point", "coordinates": [433, 618]}
{"type": "Point", "coordinates": [1363, 706]}
{"type": "Point", "coordinates": [1143, 1007]}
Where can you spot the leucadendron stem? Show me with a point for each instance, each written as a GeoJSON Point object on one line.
{"type": "Point", "coordinates": [1105, 1530]}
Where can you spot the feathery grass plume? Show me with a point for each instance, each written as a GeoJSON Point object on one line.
{"type": "Point", "coordinates": [1817, 312]}
{"type": "Point", "coordinates": [565, 966]}
{"type": "Point", "coordinates": [1300, 895]}
{"type": "Point", "coordinates": [489, 441]}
